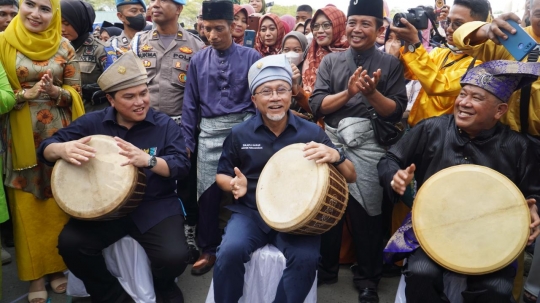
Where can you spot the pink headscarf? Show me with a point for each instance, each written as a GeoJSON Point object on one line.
{"type": "Point", "coordinates": [425, 37]}
{"type": "Point", "coordinates": [290, 21]}
{"type": "Point", "coordinates": [250, 10]}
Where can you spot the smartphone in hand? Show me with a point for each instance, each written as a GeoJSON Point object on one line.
{"type": "Point", "coordinates": [249, 38]}
{"type": "Point", "coordinates": [253, 23]}
{"type": "Point", "coordinates": [519, 44]}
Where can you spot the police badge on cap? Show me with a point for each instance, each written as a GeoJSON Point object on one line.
{"type": "Point", "coordinates": [217, 10]}
{"type": "Point", "coordinates": [372, 8]}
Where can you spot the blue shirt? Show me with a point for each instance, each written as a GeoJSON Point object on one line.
{"type": "Point", "coordinates": [251, 144]}
{"type": "Point", "coordinates": [216, 85]}
{"type": "Point", "coordinates": [157, 134]}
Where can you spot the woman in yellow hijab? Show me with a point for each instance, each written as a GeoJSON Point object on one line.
{"type": "Point", "coordinates": [46, 82]}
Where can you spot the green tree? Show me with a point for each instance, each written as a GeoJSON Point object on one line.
{"type": "Point", "coordinates": [103, 5]}
{"type": "Point", "coordinates": [281, 10]}
{"type": "Point", "coordinates": [190, 12]}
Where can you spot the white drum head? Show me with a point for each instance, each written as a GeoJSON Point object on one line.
{"type": "Point", "coordinates": [290, 187]}
{"type": "Point", "coordinates": [97, 187]}
{"type": "Point", "coordinates": [471, 219]}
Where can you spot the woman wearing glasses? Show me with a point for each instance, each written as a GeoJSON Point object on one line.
{"type": "Point", "coordinates": [270, 35]}
{"type": "Point", "coordinates": [328, 28]}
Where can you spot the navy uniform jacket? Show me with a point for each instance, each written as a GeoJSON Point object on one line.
{"type": "Point", "coordinates": [158, 135]}
{"type": "Point", "coordinates": [251, 144]}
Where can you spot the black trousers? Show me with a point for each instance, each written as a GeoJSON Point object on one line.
{"type": "Point", "coordinates": [424, 280]}
{"type": "Point", "coordinates": [187, 192]}
{"type": "Point", "coordinates": [367, 233]}
{"type": "Point", "coordinates": [81, 243]}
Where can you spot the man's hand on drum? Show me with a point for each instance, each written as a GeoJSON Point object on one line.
{"type": "Point", "coordinates": [535, 220]}
{"type": "Point", "coordinates": [137, 157]}
{"type": "Point", "coordinates": [76, 152]}
{"type": "Point", "coordinates": [321, 153]}
{"type": "Point", "coordinates": [402, 178]}
{"type": "Point", "coordinates": [238, 184]}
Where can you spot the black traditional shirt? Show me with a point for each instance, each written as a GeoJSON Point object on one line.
{"type": "Point", "coordinates": [333, 77]}
{"type": "Point", "coordinates": [437, 143]}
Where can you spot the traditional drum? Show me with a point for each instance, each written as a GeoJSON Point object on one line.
{"type": "Point", "coordinates": [471, 219]}
{"type": "Point", "coordinates": [99, 189]}
{"type": "Point", "coordinates": [299, 196]}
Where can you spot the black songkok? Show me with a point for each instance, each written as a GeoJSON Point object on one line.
{"type": "Point", "coordinates": [217, 10]}
{"type": "Point", "coordinates": [372, 8]}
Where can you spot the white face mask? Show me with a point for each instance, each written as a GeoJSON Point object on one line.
{"type": "Point", "coordinates": [309, 38]}
{"type": "Point", "coordinates": [294, 58]}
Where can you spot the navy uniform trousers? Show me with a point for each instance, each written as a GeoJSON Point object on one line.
{"type": "Point", "coordinates": [242, 237]}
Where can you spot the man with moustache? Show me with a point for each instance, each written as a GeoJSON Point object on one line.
{"type": "Point", "coordinates": [166, 52]}
{"type": "Point", "coordinates": [217, 98]}
{"type": "Point", "coordinates": [272, 128]}
{"type": "Point", "coordinates": [350, 85]}
{"type": "Point", "coordinates": [472, 135]}
{"type": "Point", "coordinates": [440, 70]}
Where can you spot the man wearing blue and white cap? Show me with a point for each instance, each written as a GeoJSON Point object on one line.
{"type": "Point", "coordinates": [272, 128]}
{"type": "Point", "coordinates": [472, 135]}
{"type": "Point", "coordinates": [132, 14]}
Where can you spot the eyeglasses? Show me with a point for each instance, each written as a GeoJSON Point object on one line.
{"type": "Point", "coordinates": [281, 91]}
{"type": "Point", "coordinates": [325, 26]}
{"type": "Point", "coordinates": [449, 23]}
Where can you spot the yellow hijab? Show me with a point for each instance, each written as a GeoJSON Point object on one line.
{"type": "Point", "coordinates": [38, 47]}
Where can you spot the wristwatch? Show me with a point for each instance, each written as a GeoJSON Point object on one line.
{"type": "Point", "coordinates": [412, 47]}
{"type": "Point", "coordinates": [152, 162]}
{"type": "Point", "coordinates": [342, 157]}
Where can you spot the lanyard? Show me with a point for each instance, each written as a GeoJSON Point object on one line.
{"type": "Point", "coordinates": [445, 65]}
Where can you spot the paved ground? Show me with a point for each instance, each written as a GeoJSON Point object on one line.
{"type": "Point", "coordinates": [196, 288]}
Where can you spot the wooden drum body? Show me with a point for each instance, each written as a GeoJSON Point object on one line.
{"type": "Point", "coordinates": [99, 189]}
{"type": "Point", "coordinates": [471, 219]}
{"type": "Point", "coordinates": [299, 196]}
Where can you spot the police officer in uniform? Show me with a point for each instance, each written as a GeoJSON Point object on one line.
{"type": "Point", "coordinates": [77, 19]}
{"type": "Point", "coordinates": [132, 13]}
{"type": "Point", "coordinates": [166, 51]}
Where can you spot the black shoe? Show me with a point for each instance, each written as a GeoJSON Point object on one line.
{"type": "Point", "coordinates": [176, 296]}
{"type": "Point", "coordinates": [321, 281]}
{"type": "Point", "coordinates": [194, 254]}
{"type": "Point", "coordinates": [391, 270]}
{"type": "Point", "coordinates": [368, 295]}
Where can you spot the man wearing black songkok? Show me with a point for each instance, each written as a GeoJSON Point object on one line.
{"type": "Point", "coordinates": [350, 85]}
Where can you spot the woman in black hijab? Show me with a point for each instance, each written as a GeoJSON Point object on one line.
{"type": "Point", "coordinates": [77, 20]}
{"type": "Point", "coordinates": [109, 30]}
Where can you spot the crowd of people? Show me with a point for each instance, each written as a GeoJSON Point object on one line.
{"type": "Point", "coordinates": [387, 105]}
